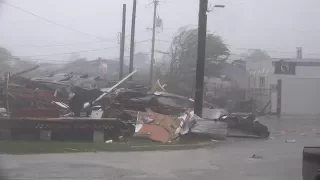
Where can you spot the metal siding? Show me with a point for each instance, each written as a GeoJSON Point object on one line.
{"type": "Point", "coordinates": [300, 96]}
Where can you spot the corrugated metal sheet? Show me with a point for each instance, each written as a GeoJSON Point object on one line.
{"type": "Point", "coordinates": [215, 129]}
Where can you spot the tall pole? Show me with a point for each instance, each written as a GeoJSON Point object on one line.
{"type": "Point", "coordinates": [7, 77]}
{"type": "Point", "coordinates": [155, 2]}
{"type": "Point", "coordinates": [202, 34]}
{"type": "Point", "coordinates": [123, 36]}
{"type": "Point", "coordinates": [133, 26]}
{"type": "Point", "coordinates": [279, 88]}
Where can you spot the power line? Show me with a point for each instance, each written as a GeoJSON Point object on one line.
{"type": "Point", "coordinates": [47, 20]}
{"type": "Point", "coordinates": [269, 51]}
{"type": "Point", "coordinates": [147, 40]}
{"type": "Point", "coordinates": [69, 52]}
{"type": "Point", "coordinates": [66, 62]}
{"type": "Point", "coordinates": [163, 40]}
{"type": "Point", "coordinates": [71, 44]}
{"type": "Point", "coordinates": [59, 45]}
{"type": "Point", "coordinates": [166, 35]}
{"type": "Point", "coordinates": [90, 50]}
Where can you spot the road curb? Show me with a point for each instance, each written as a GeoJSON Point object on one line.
{"type": "Point", "coordinates": [49, 148]}
{"type": "Point", "coordinates": [176, 145]}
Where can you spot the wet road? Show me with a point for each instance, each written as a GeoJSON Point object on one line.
{"type": "Point", "coordinates": [230, 160]}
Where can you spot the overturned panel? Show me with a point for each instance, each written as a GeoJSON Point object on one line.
{"type": "Point", "coordinates": [214, 129]}
{"type": "Point", "coordinates": [154, 132]}
{"type": "Point", "coordinates": [213, 113]}
{"type": "Point", "coordinates": [157, 127]}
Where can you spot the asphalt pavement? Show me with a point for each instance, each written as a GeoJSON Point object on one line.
{"type": "Point", "coordinates": [241, 159]}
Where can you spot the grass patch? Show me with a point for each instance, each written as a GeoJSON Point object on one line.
{"type": "Point", "coordinates": [41, 147]}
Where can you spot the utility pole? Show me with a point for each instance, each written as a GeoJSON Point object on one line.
{"type": "Point", "coordinates": [133, 26]}
{"type": "Point", "coordinates": [202, 35]}
{"type": "Point", "coordinates": [123, 36]}
{"type": "Point", "coordinates": [155, 3]}
{"type": "Point", "coordinates": [299, 52]}
{"type": "Point", "coordinates": [6, 88]}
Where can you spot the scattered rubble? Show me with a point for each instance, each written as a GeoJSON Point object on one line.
{"type": "Point", "coordinates": [254, 156]}
{"type": "Point", "coordinates": [156, 114]}
{"type": "Point", "coordinates": [109, 141]}
{"type": "Point", "coordinates": [247, 123]}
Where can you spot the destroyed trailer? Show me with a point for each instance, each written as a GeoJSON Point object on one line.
{"type": "Point", "coordinates": [26, 98]}
{"type": "Point", "coordinates": [35, 106]}
{"type": "Point", "coordinates": [148, 108]}
{"type": "Point", "coordinates": [167, 113]}
{"type": "Point", "coordinates": [160, 116]}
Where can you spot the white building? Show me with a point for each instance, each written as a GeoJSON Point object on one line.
{"type": "Point", "coordinates": [299, 94]}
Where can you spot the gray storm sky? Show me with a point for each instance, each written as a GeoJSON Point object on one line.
{"type": "Point", "coordinates": [277, 26]}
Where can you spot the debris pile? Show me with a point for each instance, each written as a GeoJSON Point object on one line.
{"type": "Point", "coordinates": [27, 98]}
{"type": "Point", "coordinates": [158, 127]}
{"type": "Point", "coordinates": [248, 123]}
{"type": "Point", "coordinates": [156, 115]}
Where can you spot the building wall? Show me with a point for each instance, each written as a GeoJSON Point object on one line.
{"type": "Point", "coordinates": [238, 76]}
{"type": "Point", "coordinates": [299, 93]}
{"type": "Point", "coordinates": [300, 96]}
{"type": "Point", "coordinates": [215, 83]}
{"type": "Point", "coordinates": [265, 69]}
{"type": "Point", "coordinates": [258, 71]}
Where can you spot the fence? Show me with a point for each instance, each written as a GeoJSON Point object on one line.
{"type": "Point", "coordinates": [260, 97]}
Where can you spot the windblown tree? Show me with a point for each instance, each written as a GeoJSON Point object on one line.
{"type": "Point", "coordinates": [5, 55]}
{"type": "Point", "coordinates": [182, 55]}
{"type": "Point", "coordinates": [257, 55]}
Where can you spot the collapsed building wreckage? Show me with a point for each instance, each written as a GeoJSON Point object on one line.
{"type": "Point", "coordinates": [157, 115]}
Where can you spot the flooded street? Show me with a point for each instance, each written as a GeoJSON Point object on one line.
{"type": "Point", "coordinates": [86, 81]}
{"type": "Point", "coordinates": [231, 159]}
